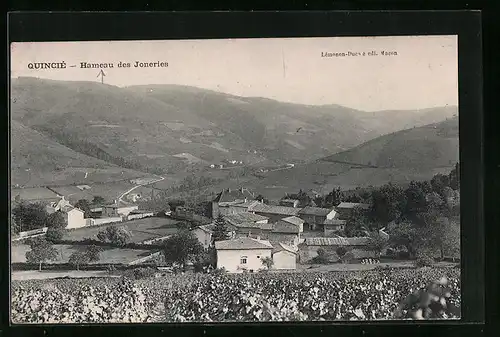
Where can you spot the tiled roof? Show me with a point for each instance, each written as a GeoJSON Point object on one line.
{"type": "Point", "coordinates": [315, 211]}
{"type": "Point", "coordinates": [278, 247]}
{"type": "Point", "coordinates": [207, 228]}
{"type": "Point", "coordinates": [118, 205]}
{"type": "Point", "coordinates": [353, 205]}
{"type": "Point", "coordinates": [244, 217]}
{"type": "Point", "coordinates": [281, 210]}
{"type": "Point", "coordinates": [293, 220]}
{"type": "Point", "coordinates": [356, 241]}
{"type": "Point", "coordinates": [334, 222]}
{"type": "Point", "coordinates": [247, 204]}
{"type": "Point", "coordinates": [242, 243]}
{"type": "Point", "coordinates": [230, 195]}
{"type": "Point", "coordinates": [68, 208]}
{"type": "Point", "coordinates": [285, 227]}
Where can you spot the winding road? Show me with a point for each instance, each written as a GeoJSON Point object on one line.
{"type": "Point", "coordinates": [120, 198]}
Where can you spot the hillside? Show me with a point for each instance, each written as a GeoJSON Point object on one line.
{"type": "Point", "coordinates": [171, 130]}
{"type": "Point", "coordinates": [37, 160]}
{"type": "Point", "coordinates": [413, 154]}
{"type": "Point", "coordinates": [430, 146]}
{"type": "Point", "coordinates": [290, 131]}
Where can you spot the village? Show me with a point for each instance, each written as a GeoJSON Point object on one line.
{"type": "Point", "coordinates": [278, 235]}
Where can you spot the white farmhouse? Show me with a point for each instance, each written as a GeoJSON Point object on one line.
{"type": "Point", "coordinates": [241, 254]}
{"type": "Point", "coordinates": [118, 209]}
{"type": "Point", "coordinates": [284, 257]}
{"type": "Point", "coordinates": [74, 217]}
{"type": "Point", "coordinates": [204, 234]}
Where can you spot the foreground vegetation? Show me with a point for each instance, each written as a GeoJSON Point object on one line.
{"type": "Point", "coordinates": [368, 295]}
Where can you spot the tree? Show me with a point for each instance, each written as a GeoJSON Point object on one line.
{"type": "Point", "coordinates": [387, 202]}
{"type": "Point", "coordinates": [93, 253]}
{"type": "Point", "coordinates": [41, 251]}
{"type": "Point", "coordinates": [85, 207]}
{"type": "Point", "coordinates": [267, 262]}
{"type": "Point", "coordinates": [29, 216]}
{"type": "Point", "coordinates": [98, 201]}
{"type": "Point", "coordinates": [56, 225]}
{"type": "Point", "coordinates": [334, 198]}
{"type": "Point", "coordinates": [182, 247]}
{"type": "Point", "coordinates": [356, 222]}
{"type": "Point", "coordinates": [439, 182]}
{"type": "Point", "coordinates": [454, 177]}
{"type": "Point", "coordinates": [341, 251]}
{"type": "Point", "coordinates": [77, 259]}
{"type": "Point", "coordinates": [416, 201]}
{"type": "Point", "coordinates": [376, 243]}
{"type": "Point", "coordinates": [261, 198]}
{"type": "Point", "coordinates": [405, 234]}
{"type": "Point", "coordinates": [175, 203]}
{"type": "Point", "coordinates": [55, 220]}
{"type": "Point", "coordinates": [80, 257]}
{"type": "Point", "coordinates": [115, 235]}
{"type": "Point", "coordinates": [221, 231]}
{"type": "Point", "coordinates": [451, 240]}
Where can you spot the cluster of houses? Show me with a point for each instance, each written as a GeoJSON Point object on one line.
{"type": "Point", "coordinates": [286, 233]}
{"type": "Point", "coordinates": [112, 213]}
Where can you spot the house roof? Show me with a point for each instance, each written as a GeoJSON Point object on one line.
{"type": "Point", "coordinates": [244, 217]}
{"type": "Point", "coordinates": [288, 201]}
{"type": "Point", "coordinates": [286, 228]}
{"type": "Point", "coordinates": [293, 220]}
{"type": "Point", "coordinates": [335, 222]}
{"type": "Point", "coordinates": [242, 244]}
{"type": "Point", "coordinates": [281, 210]}
{"type": "Point", "coordinates": [339, 241]}
{"type": "Point", "coordinates": [318, 211]}
{"type": "Point", "coordinates": [279, 247]}
{"type": "Point", "coordinates": [207, 228]}
{"type": "Point", "coordinates": [229, 195]}
{"type": "Point", "coordinates": [118, 204]}
{"type": "Point", "coordinates": [352, 205]}
{"type": "Point", "coordinates": [247, 204]}
{"type": "Point", "coordinates": [254, 225]}
{"type": "Point", "coordinates": [69, 208]}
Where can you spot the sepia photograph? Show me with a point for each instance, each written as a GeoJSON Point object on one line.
{"type": "Point", "coordinates": [235, 180]}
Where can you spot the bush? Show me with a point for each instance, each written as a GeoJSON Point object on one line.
{"type": "Point", "coordinates": [223, 297]}
{"type": "Point", "coordinates": [142, 273]}
{"type": "Point", "coordinates": [348, 257]}
{"type": "Point", "coordinates": [81, 304]}
{"type": "Point", "coordinates": [341, 251]}
{"type": "Point", "coordinates": [424, 260]}
{"type": "Point", "coordinates": [391, 252]}
{"type": "Point", "coordinates": [403, 255]}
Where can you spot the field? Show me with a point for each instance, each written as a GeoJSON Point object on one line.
{"type": "Point", "coordinates": [141, 229]}
{"type": "Point", "coordinates": [364, 295]}
{"type": "Point", "coordinates": [36, 193]}
{"type": "Point", "coordinates": [108, 255]}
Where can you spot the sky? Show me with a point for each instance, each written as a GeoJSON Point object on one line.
{"type": "Point", "coordinates": [423, 74]}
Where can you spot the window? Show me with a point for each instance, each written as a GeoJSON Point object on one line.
{"type": "Point", "coordinates": [243, 260]}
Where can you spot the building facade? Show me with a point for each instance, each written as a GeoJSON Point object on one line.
{"type": "Point", "coordinates": [204, 234]}
{"type": "Point", "coordinates": [74, 218]}
{"type": "Point", "coordinates": [118, 209]}
{"type": "Point", "coordinates": [242, 254]}
{"type": "Point", "coordinates": [284, 257]}
{"type": "Point", "coordinates": [314, 217]}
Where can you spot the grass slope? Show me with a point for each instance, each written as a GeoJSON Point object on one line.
{"type": "Point", "coordinates": [414, 154]}
{"type": "Point", "coordinates": [171, 128]}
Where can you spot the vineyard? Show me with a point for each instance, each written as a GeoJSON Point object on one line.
{"type": "Point", "coordinates": [367, 295]}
